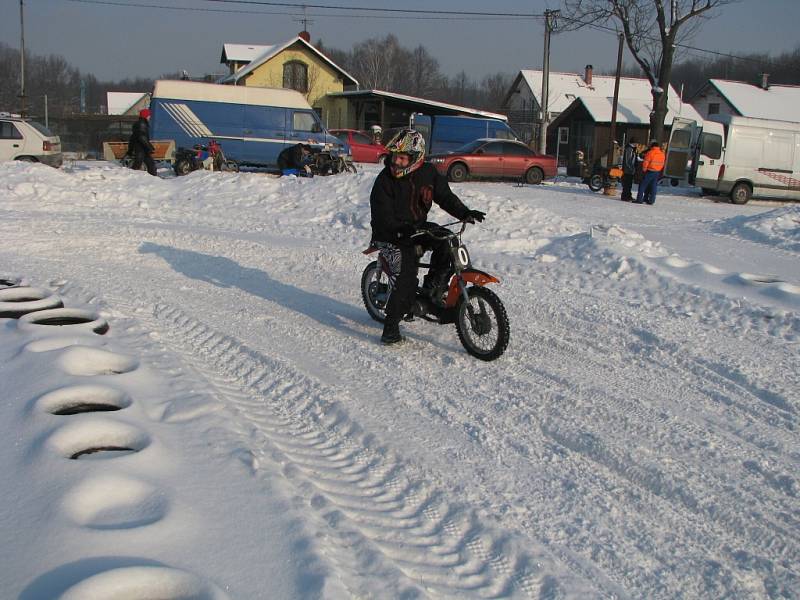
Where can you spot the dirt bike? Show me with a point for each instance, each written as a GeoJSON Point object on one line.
{"type": "Point", "coordinates": [188, 160]}
{"type": "Point", "coordinates": [479, 315]}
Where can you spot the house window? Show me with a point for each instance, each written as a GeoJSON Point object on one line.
{"type": "Point", "coordinates": [713, 108]}
{"type": "Point", "coordinates": [295, 76]}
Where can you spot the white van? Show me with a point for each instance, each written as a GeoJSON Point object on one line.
{"type": "Point", "coordinates": [27, 140]}
{"type": "Point", "coordinates": [739, 156]}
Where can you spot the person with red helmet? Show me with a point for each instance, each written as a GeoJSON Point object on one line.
{"type": "Point", "coordinates": [139, 146]}
{"type": "Point", "coordinates": [401, 197]}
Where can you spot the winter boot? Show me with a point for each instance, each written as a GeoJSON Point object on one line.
{"type": "Point", "coordinates": [391, 334]}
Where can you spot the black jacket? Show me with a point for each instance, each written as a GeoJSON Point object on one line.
{"type": "Point", "coordinates": [629, 159]}
{"type": "Point", "coordinates": [140, 137]}
{"type": "Point", "coordinates": [398, 202]}
{"type": "Point", "coordinates": [291, 157]}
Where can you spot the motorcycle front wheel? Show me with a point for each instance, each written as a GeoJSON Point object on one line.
{"type": "Point", "coordinates": [596, 183]}
{"type": "Point", "coordinates": [482, 324]}
{"type": "Point", "coordinates": [375, 291]}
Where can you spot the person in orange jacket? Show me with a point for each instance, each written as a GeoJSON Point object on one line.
{"type": "Point", "coordinates": [654, 160]}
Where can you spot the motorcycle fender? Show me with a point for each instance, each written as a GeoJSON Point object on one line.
{"type": "Point", "coordinates": [473, 276]}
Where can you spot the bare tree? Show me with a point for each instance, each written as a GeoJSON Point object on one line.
{"type": "Point", "coordinates": [652, 32]}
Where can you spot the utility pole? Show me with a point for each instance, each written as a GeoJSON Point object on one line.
{"type": "Point", "coordinates": [613, 133]}
{"type": "Point", "coordinates": [22, 60]}
{"type": "Point", "coordinates": [549, 25]}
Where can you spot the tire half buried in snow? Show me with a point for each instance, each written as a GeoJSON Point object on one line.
{"type": "Point", "coordinates": [71, 318]}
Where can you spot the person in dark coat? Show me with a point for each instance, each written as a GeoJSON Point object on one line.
{"type": "Point", "coordinates": [292, 160]}
{"type": "Point", "coordinates": [401, 197]}
{"type": "Point", "coordinates": [139, 146]}
{"type": "Point", "coordinates": [630, 159]}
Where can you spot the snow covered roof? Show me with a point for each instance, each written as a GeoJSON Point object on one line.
{"type": "Point", "coordinates": [270, 51]}
{"type": "Point", "coordinates": [778, 102]}
{"type": "Point", "coordinates": [565, 87]}
{"type": "Point", "coordinates": [242, 52]}
{"type": "Point", "coordinates": [634, 111]}
{"type": "Point", "coordinates": [121, 102]}
{"type": "Point", "coordinates": [414, 99]}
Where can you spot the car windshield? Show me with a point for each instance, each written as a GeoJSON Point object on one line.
{"type": "Point", "coordinates": [40, 128]}
{"type": "Point", "coordinates": [469, 148]}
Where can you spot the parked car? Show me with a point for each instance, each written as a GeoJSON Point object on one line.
{"type": "Point", "coordinates": [489, 157]}
{"type": "Point", "coordinates": [21, 139]}
{"type": "Point", "coordinates": [361, 145]}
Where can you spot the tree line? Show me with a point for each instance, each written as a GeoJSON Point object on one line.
{"type": "Point", "coordinates": [379, 62]}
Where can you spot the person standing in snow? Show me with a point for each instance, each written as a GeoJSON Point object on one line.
{"type": "Point", "coordinates": [401, 197]}
{"type": "Point", "coordinates": [292, 160]}
{"type": "Point", "coordinates": [630, 158]}
{"type": "Point", "coordinates": [652, 166]}
{"type": "Point", "coordinates": [139, 145]}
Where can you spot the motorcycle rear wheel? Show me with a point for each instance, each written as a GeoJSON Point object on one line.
{"type": "Point", "coordinates": [375, 291]}
{"type": "Point", "coordinates": [486, 332]}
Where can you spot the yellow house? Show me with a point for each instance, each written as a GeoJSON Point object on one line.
{"type": "Point", "coordinates": [295, 64]}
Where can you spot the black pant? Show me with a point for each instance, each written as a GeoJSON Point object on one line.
{"type": "Point", "coordinates": [405, 284]}
{"type": "Point", "coordinates": [141, 155]}
{"type": "Point", "coordinates": [627, 184]}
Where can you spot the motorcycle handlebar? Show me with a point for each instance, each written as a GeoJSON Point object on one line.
{"type": "Point", "coordinates": [448, 235]}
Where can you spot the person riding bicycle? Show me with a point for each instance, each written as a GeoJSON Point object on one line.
{"type": "Point", "coordinates": [400, 200]}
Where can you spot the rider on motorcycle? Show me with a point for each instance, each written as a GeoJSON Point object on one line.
{"type": "Point", "coordinates": [401, 198]}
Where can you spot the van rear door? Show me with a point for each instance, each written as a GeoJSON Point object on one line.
{"type": "Point", "coordinates": [707, 156]}
{"type": "Point", "coordinates": [679, 151]}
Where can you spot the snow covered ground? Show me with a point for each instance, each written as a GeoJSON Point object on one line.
{"type": "Point", "coordinates": [639, 439]}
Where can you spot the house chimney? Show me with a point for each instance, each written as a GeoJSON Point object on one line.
{"type": "Point", "coordinates": [588, 76]}
{"type": "Point", "coordinates": [765, 81]}
{"type": "Point", "coordinates": [305, 35]}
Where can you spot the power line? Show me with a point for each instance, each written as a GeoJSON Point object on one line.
{"type": "Point", "coordinates": [453, 17]}
{"type": "Point", "coordinates": [402, 13]}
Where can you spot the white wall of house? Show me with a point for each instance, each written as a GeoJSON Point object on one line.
{"type": "Point", "coordinates": [711, 102]}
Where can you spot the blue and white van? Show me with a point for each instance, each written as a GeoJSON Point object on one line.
{"type": "Point", "coordinates": [251, 124]}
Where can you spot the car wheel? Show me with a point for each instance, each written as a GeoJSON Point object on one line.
{"type": "Point", "coordinates": [458, 172]}
{"type": "Point", "coordinates": [741, 193]}
{"type": "Point", "coordinates": [534, 176]}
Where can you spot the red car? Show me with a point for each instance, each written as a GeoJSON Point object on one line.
{"type": "Point", "coordinates": [361, 145]}
{"type": "Point", "coordinates": [489, 157]}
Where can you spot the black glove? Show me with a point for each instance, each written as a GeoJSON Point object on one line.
{"type": "Point", "coordinates": [405, 231]}
{"type": "Point", "coordinates": [474, 215]}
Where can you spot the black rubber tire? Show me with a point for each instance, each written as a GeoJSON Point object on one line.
{"type": "Point", "coordinates": [371, 273]}
{"type": "Point", "coordinates": [182, 167]}
{"type": "Point", "coordinates": [231, 165]}
{"type": "Point", "coordinates": [16, 301]}
{"type": "Point", "coordinates": [26, 159]}
{"type": "Point", "coordinates": [458, 172]}
{"type": "Point", "coordinates": [741, 193]}
{"type": "Point", "coordinates": [484, 298]}
{"type": "Point", "coordinates": [596, 183]}
{"type": "Point", "coordinates": [534, 176]}
{"type": "Point", "coordinates": [674, 182]}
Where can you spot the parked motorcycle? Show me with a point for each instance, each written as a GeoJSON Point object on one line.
{"type": "Point", "coordinates": [327, 162]}
{"type": "Point", "coordinates": [478, 313]}
{"type": "Point", "coordinates": [201, 156]}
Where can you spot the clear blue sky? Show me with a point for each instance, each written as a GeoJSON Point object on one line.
{"type": "Point", "coordinates": [113, 42]}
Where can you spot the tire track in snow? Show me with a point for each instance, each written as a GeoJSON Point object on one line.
{"type": "Point", "coordinates": [439, 544]}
